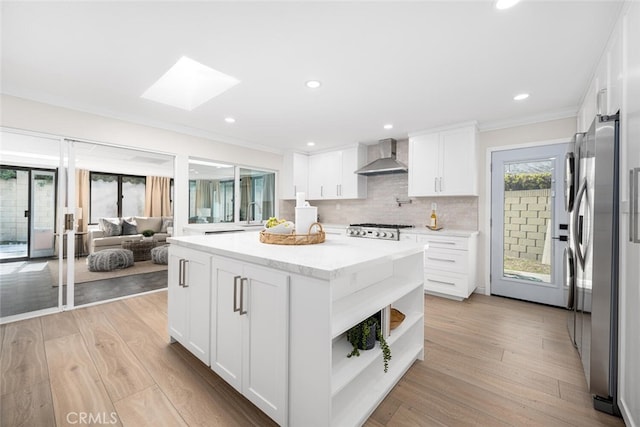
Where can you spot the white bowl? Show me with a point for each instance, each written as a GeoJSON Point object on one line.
{"type": "Point", "coordinates": [284, 228]}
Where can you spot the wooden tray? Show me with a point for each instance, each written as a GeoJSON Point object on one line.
{"type": "Point", "coordinates": [294, 239]}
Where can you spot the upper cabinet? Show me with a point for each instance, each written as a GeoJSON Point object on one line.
{"type": "Point", "coordinates": [294, 176]}
{"type": "Point", "coordinates": [604, 95]}
{"type": "Point", "coordinates": [443, 163]}
{"type": "Point", "coordinates": [325, 176]}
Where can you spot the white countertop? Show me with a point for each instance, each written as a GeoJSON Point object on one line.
{"type": "Point", "coordinates": [220, 227]}
{"type": "Point", "coordinates": [337, 256]}
{"type": "Point", "coordinates": [443, 232]}
{"type": "Point", "coordinates": [418, 230]}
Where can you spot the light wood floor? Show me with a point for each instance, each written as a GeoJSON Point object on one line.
{"type": "Point", "coordinates": [489, 361]}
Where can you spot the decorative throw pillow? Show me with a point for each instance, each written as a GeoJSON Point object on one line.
{"type": "Point", "coordinates": [166, 222]}
{"type": "Point", "coordinates": [110, 226]}
{"type": "Point", "coordinates": [149, 223]}
{"type": "Point", "coordinates": [129, 227]}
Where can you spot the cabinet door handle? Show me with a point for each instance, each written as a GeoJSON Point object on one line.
{"type": "Point", "coordinates": [184, 273]}
{"type": "Point", "coordinates": [321, 191]}
{"type": "Point", "coordinates": [441, 259]}
{"type": "Point", "coordinates": [295, 189]}
{"type": "Point", "coordinates": [441, 184]}
{"type": "Point", "coordinates": [441, 282]}
{"type": "Point", "coordinates": [242, 282]}
{"type": "Point", "coordinates": [181, 272]}
{"type": "Point", "coordinates": [435, 185]}
{"type": "Point", "coordinates": [235, 294]}
{"type": "Point", "coordinates": [634, 229]}
{"type": "Point", "coordinates": [442, 243]}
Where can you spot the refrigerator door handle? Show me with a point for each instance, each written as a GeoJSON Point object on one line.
{"type": "Point", "coordinates": [569, 277]}
{"type": "Point", "coordinates": [576, 223]}
{"type": "Point", "coordinates": [634, 228]}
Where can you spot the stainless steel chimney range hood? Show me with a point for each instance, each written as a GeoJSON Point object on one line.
{"type": "Point", "coordinates": [387, 162]}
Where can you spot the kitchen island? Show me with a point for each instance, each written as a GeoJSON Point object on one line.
{"type": "Point", "coordinates": [271, 320]}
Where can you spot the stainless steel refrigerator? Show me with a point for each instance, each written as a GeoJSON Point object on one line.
{"type": "Point", "coordinates": [591, 260]}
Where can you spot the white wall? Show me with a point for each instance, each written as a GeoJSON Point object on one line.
{"type": "Point", "coordinates": [562, 129]}
{"type": "Point", "coordinates": [629, 92]}
{"type": "Point", "coordinates": [18, 113]}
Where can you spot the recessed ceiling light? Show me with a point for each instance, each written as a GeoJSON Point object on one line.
{"type": "Point", "coordinates": [311, 144]}
{"type": "Point", "coordinates": [506, 4]}
{"type": "Point", "coordinates": [313, 84]}
{"type": "Point", "coordinates": [388, 126]}
{"type": "Point", "coordinates": [521, 97]}
{"type": "Point", "coordinates": [229, 120]}
{"type": "Point", "coordinates": [189, 84]}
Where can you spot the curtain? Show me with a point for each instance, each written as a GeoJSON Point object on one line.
{"type": "Point", "coordinates": [268, 195]}
{"type": "Point", "coordinates": [217, 210]}
{"type": "Point", "coordinates": [245, 197]}
{"type": "Point", "coordinates": [157, 201]}
{"type": "Point", "coordinates": [83, 202]}
{"type": "Point", "coordinates": [204, 195]}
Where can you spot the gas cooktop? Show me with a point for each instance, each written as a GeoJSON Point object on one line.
{"type": "Point", "coordinates": [376, 231]}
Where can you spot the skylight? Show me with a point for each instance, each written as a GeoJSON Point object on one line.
{"type": "Point", "coordinates": [189, 84]}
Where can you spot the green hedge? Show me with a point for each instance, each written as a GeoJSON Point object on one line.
{"type": "Point", "coordinates": [527, 181]}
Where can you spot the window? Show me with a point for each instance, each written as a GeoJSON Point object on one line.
{"type": "Point", "coordinates": [213, 188]}
{"type": "Point", "coordinates": [114, 195]}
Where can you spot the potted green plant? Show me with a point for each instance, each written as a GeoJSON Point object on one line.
{"type": "Point", "coordinates": [363, 337]}
{"type": "Point", "coordinates": [148, 234]}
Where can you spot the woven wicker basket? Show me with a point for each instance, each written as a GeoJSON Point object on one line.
{"type": "Point", "coordinates": [294, 239]}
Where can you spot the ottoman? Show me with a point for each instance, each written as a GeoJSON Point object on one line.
{"type": "Point", "coordinates": [160, 255]}
{"type": "Point", "coordinates": [110, 259]}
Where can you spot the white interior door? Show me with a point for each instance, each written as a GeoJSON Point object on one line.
{"type": "Point", "coordinates": [529, 224]}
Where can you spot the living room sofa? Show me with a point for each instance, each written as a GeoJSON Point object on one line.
{"type": "Point", "coordinates": [109, 233]}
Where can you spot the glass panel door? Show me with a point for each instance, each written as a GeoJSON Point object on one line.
{"type": "Point", "coordinates": [14, 224]}
{"type": "Point", "coordinates": [29, 271]}
{"type": "Point", "coordinates": [529, 224]}
{"type": "Point", "coordinates": [42, 213]}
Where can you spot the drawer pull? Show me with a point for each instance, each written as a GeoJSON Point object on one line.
{"type": "Point", "coordinates": [441, 259]}
{"type": "Point", "coordinates": [442, 243]}
{"type": "Point", "coordinates": [439, 281]}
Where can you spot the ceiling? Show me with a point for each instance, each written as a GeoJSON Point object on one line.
{"type": "Point", "coordinates": [416, 65]}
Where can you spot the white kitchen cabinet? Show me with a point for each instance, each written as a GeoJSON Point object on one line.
{"type": "Point", "coordinates": [295, 175]}
{"type": "Point", "coordinates": [443, 163]}
{"type": "Point", "coordinates": [331, 174]}
{"type": "Point", "coordinates": [188, 299]}
{"type": "Point", "coordinates": [450, 266]}
{"type": "Point", "coordinates": [325, 170]}
{"type": "Point", "coordinates": [249, 332]}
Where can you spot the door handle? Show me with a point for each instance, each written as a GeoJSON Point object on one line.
{"type": "Point", "coordinates": [561, 238]}
{"type": "Point", "coordinates": [184, 273]}
{"type": "Point", "coordinates": [634, 232]}
{"type": "Point", "coordinates": [576, 223]}
{"type": "Point", "coordinates": [235, 294]}
{"type": "Point", "coordinates": [242, 282]}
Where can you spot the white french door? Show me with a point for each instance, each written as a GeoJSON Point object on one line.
{"type": "Point", "coordinates": [529, 225]}
{"type": "Point", "coordinates": [66, 221]}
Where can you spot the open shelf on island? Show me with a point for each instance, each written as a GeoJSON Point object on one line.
{"type": "Point", "coordinates": [367, 391]}
{"type": "Point", "coordinates": [345, 369]}
{"type": "Point", "coordinates": [351, 310]}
